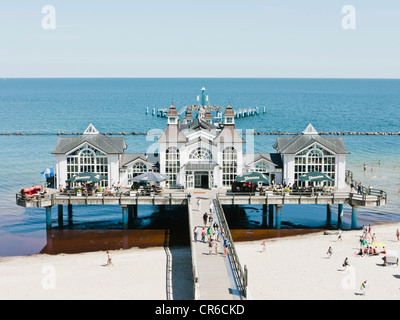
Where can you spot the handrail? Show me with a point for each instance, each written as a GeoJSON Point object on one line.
{"type": "Point", "coordinates": [240, 274]}
{"type": "Point", "coordinates": [364, 190]}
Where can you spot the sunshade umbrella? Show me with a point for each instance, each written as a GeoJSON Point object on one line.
{"type": "Point", "coordinates": [378, 244]}
{"type": "Point", "coordinates": [315, 176]}
{"type": "Point", "coordinates": [254, 177]}
{"type": "Point", "coordinates": [150, 176]}
{"type": "Point", "coordinates": [87, 177]}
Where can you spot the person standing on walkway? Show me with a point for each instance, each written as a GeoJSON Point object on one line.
{"type": "Point", "coordinates": [226, 244]}
{"type": "Point", "coordinates": [211, 207]}
{"type": "Point", "coordinates": [209, 233]}
{"type": "Point", "coordinates": [216, 247]}
{"type": "Point", "coordinates": [195, 233]}
{"type": "Point", "coordinates": [198, 204]}
{"type": "Point", "coordinates": [210, 247]}
{"type": "Point", "coordinates": [205, 218]}
{"type": "Point", "coordinates": [203, 234]}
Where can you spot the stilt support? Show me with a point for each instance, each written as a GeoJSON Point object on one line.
{"type": "Point", "coordinates": [125, 216]}
{"type": "Point", "coordinates": [48, 218]}
{"type": "Point", "coordinates": [278, 216]}
{"type": "Point", "coordinates": [340, 215]}
{"type": "Point", "coordinates": [328, 215]}
{"type": "Point", "coordinates": [271, 216]}
{"type": "Point", "coordinates": [354, 217]}
{"type": "Point", "coordinates": [60, 216]}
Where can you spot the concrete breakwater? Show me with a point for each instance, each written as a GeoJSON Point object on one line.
{"type": "Point", "coordinates": [275, 133]}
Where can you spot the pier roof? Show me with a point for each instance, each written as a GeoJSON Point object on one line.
{"type": "Point", "coordinates": [109, 145]}
{"type": "Point", "coordinates": [292, 145]}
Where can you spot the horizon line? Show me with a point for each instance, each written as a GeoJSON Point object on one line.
{"type": "Point", "coordinates": [222, 77]}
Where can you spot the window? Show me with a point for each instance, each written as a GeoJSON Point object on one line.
{"type": "Point", "coordinates": [312, 159]}
{"type": "Point", "coordinates": [137, 169]}
{"type": "Point", "coordinates": [261, 166]}
{"type": "Point", "coordinates": [229, 166]}
{"type": "Point", "coordinates": [200, 154]}
{"type": "Point", "coordinates": [172, 165]}
{"type": "Point", "coordinates": [88, 159]}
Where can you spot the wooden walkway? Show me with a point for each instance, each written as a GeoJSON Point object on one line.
{"type": "Point", "coordinates": [215, 280]}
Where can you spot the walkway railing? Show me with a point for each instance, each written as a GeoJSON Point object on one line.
{"type": "Point", "coordinates": [39, 198]}
{"type": "Point", "coordinates": [360, 189]}
{"type": "Point", "coordinates": [241, 274]}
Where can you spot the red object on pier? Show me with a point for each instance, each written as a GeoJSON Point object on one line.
{"type": "Point", "coordinates": [31, 191]}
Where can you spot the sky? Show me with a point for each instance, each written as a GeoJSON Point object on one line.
{"type": "Point", "coordinates": [209, 38]}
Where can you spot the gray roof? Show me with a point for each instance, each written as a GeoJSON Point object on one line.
{"type": "Point", "coordinates": [196, 125]}
{"type": "Point", "coordinates": [172, 134]}
{"type": "Point", "coordinates": [292, 145]}
{"type": "Point", "coordinates": [229, 135]}
{"type": "Point", "coordinates": [127, 158]}
{"type": "Point", "coordinates": [274, 158]}
{"type": "Point", "coordinates": [109, 145]}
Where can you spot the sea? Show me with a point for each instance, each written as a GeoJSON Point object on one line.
{"type": "Point", "coordinates": [38, 109]}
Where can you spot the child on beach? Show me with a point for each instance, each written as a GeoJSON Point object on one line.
{"type": "Point", "coordinates": [264, 246]}
{"type": "Point", "coordinates": [109, 262]}
{"type": "Point", "coordinates": [364, 287]}
{"type": "Point", "coordinates": [330, 251]}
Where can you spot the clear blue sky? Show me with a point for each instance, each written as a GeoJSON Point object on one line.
{"type": "Point", "coordinates": [184, 38]}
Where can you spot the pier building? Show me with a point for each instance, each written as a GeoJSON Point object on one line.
{"type": "Point", "coordinates": [195, 152]}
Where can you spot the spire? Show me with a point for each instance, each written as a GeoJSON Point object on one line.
{"type": "Point", "coordinates": [310, 130]}
{"type": "Point", "coordinates": [172, 115]}
{"type": "Point", "coordinates": [229, 115]}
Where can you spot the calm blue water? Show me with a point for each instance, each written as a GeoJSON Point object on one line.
{"type": "Point", "coordinates": [118, 105]}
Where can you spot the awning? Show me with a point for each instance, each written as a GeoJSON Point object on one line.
{"type": "Point", "coordinates": [315, 176]}
{"type": "Point", "coordinates": [254, 177]}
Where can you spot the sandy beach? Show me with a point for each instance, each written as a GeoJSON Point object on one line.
{"type": "Point", "coordinates": [294, 267]}
{"type": "Point", "coordinates": [299, 268]}
{"type": "Point", "coordinates": [138, 274]}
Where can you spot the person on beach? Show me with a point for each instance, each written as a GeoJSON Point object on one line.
{"type": "Point", "coordinates": [330, 251]}
{"type": "Point", "coordinates": [345, 264]}
{"type": "Point", "coordinates": [364, 287]}
{"type": "Point", "coordinates": [109, 262]}
{"type": "Point", "coordinates": [264, 246]}
{"type": "Point", "coordinates": [398, 235]}
{"type": "Point", "coordinates": [340, 235]}
{"type": "Point", "coordinates": [365, 167]}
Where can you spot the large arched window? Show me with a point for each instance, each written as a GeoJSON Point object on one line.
{"type": "Point", "coordinates": [200, 154]}
{"type": "Point", "coordinates": [137, 169]}
{"type": "Point", "coordinates": [172, 165]}
{"type": "Point", "coordinates": [312, 159]}
{"type": "Point", "coordinates": [88, 159]}
{"type": "Point", "coordinates": [229, 166]}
